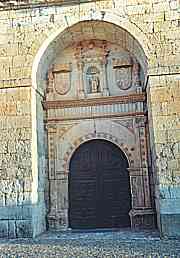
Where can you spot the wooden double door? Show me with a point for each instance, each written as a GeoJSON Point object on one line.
{"type": "Point", "coordinates": [99, 188]}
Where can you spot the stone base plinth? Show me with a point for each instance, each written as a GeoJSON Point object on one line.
{"type": "Point", "coordinates": [58, 221]}
{"type": "Point", "coordinates": [142, 219]}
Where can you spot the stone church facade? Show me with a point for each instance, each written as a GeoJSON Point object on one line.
{"type": "Point", "coordinates": [90, 118]}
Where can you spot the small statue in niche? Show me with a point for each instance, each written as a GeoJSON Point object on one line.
{"type": "Point", "coordinates": [93, 80]}
{"type": "Point", "coordinates": [94, 83]}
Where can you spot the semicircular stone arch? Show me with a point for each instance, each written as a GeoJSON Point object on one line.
{"type": "Point", "coordinates": [106, 130]}
{"type": "Point", "coordinates": [99, 136]}
{"type": "Point", "coordinates": [134, 39]}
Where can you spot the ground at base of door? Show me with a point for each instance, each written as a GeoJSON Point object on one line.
{"type": "Point", "coordinates": [102, 244]}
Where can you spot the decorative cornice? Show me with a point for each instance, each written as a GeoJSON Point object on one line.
{"type": "Point", "coordinates": [60, 104]}
{"type": "Point", "coordinates": [60, 119]}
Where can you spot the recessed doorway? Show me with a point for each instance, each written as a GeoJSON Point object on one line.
{"type": "Point", "coordinates": [99, 187]}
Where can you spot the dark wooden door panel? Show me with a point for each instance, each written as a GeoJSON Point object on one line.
{"type": "Point", "coordinates": [99, 189]}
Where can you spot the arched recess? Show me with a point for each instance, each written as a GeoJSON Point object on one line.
{"type": "Point", "coordinates": [134, 40]}
{"type": "Point", "coordinates": [123, 31]}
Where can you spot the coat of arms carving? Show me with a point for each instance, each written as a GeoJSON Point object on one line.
{"type": "Point", "coordinates": [123, 77]}
{"type": "Point", "coordinates": [123, 73]}
{"type": "Point", "coordinates": [62, 79]}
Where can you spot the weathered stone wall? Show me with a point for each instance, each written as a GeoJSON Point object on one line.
{"type": "Point", "coordinates": [15, 162]}
{"type": "Point", "coordinates": [156, 26]}
{"type": "Point", "coordinates": [164, 97]}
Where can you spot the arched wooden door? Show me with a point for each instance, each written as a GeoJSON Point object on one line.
{"type": "Point", "coordinates": [99, 188]}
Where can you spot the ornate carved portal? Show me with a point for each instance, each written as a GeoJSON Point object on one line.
{"type": "Point", "coordinates": [97, 95]}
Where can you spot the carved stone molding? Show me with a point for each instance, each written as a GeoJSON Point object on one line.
{"type": "Point", "coordinates": [94, 102]}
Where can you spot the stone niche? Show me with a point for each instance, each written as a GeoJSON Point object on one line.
{"type": "Point", "coordinates": [95, 91]}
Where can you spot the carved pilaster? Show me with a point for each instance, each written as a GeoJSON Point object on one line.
{"type": "Point", "coordinates": [142, 215]}
{"type": "Point", "coordinates": [104, 79]}
{"type": "Point", "coordinates": [81, 93]}
{"type": "Point", "coordinates": [51, 149]}
{"type": "Point", "coordinates": [58, 216]}
{"type": "Point", "coordinates": [104, 72]}
{"type": "Point", "coordinates": [136, 77]}
{"type": "Point", "coordinates": [141, 135]}
{"type": "Point", "coordinates": [50, 81]}
{"type": "Point", "coordinates": [139, 181]}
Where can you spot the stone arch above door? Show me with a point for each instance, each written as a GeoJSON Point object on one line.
{"type": "Point", "coordinates": [98, 129]}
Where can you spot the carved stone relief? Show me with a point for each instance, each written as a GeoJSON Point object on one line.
{"type": "Point", "coordinates": [93, 68]}
{"type": "Point", "coordinates": [59, 79]}
{"type": "Point", "coordinates": [124, 77]}
{"type": "Point", "coordinates": [123, 73]}
{"type": "Point", "coordinates": [129, 124]}
{"type": "Point", "coordinates": [92, 55]}
{"type": "Point", "coordinates": [126, 72]}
